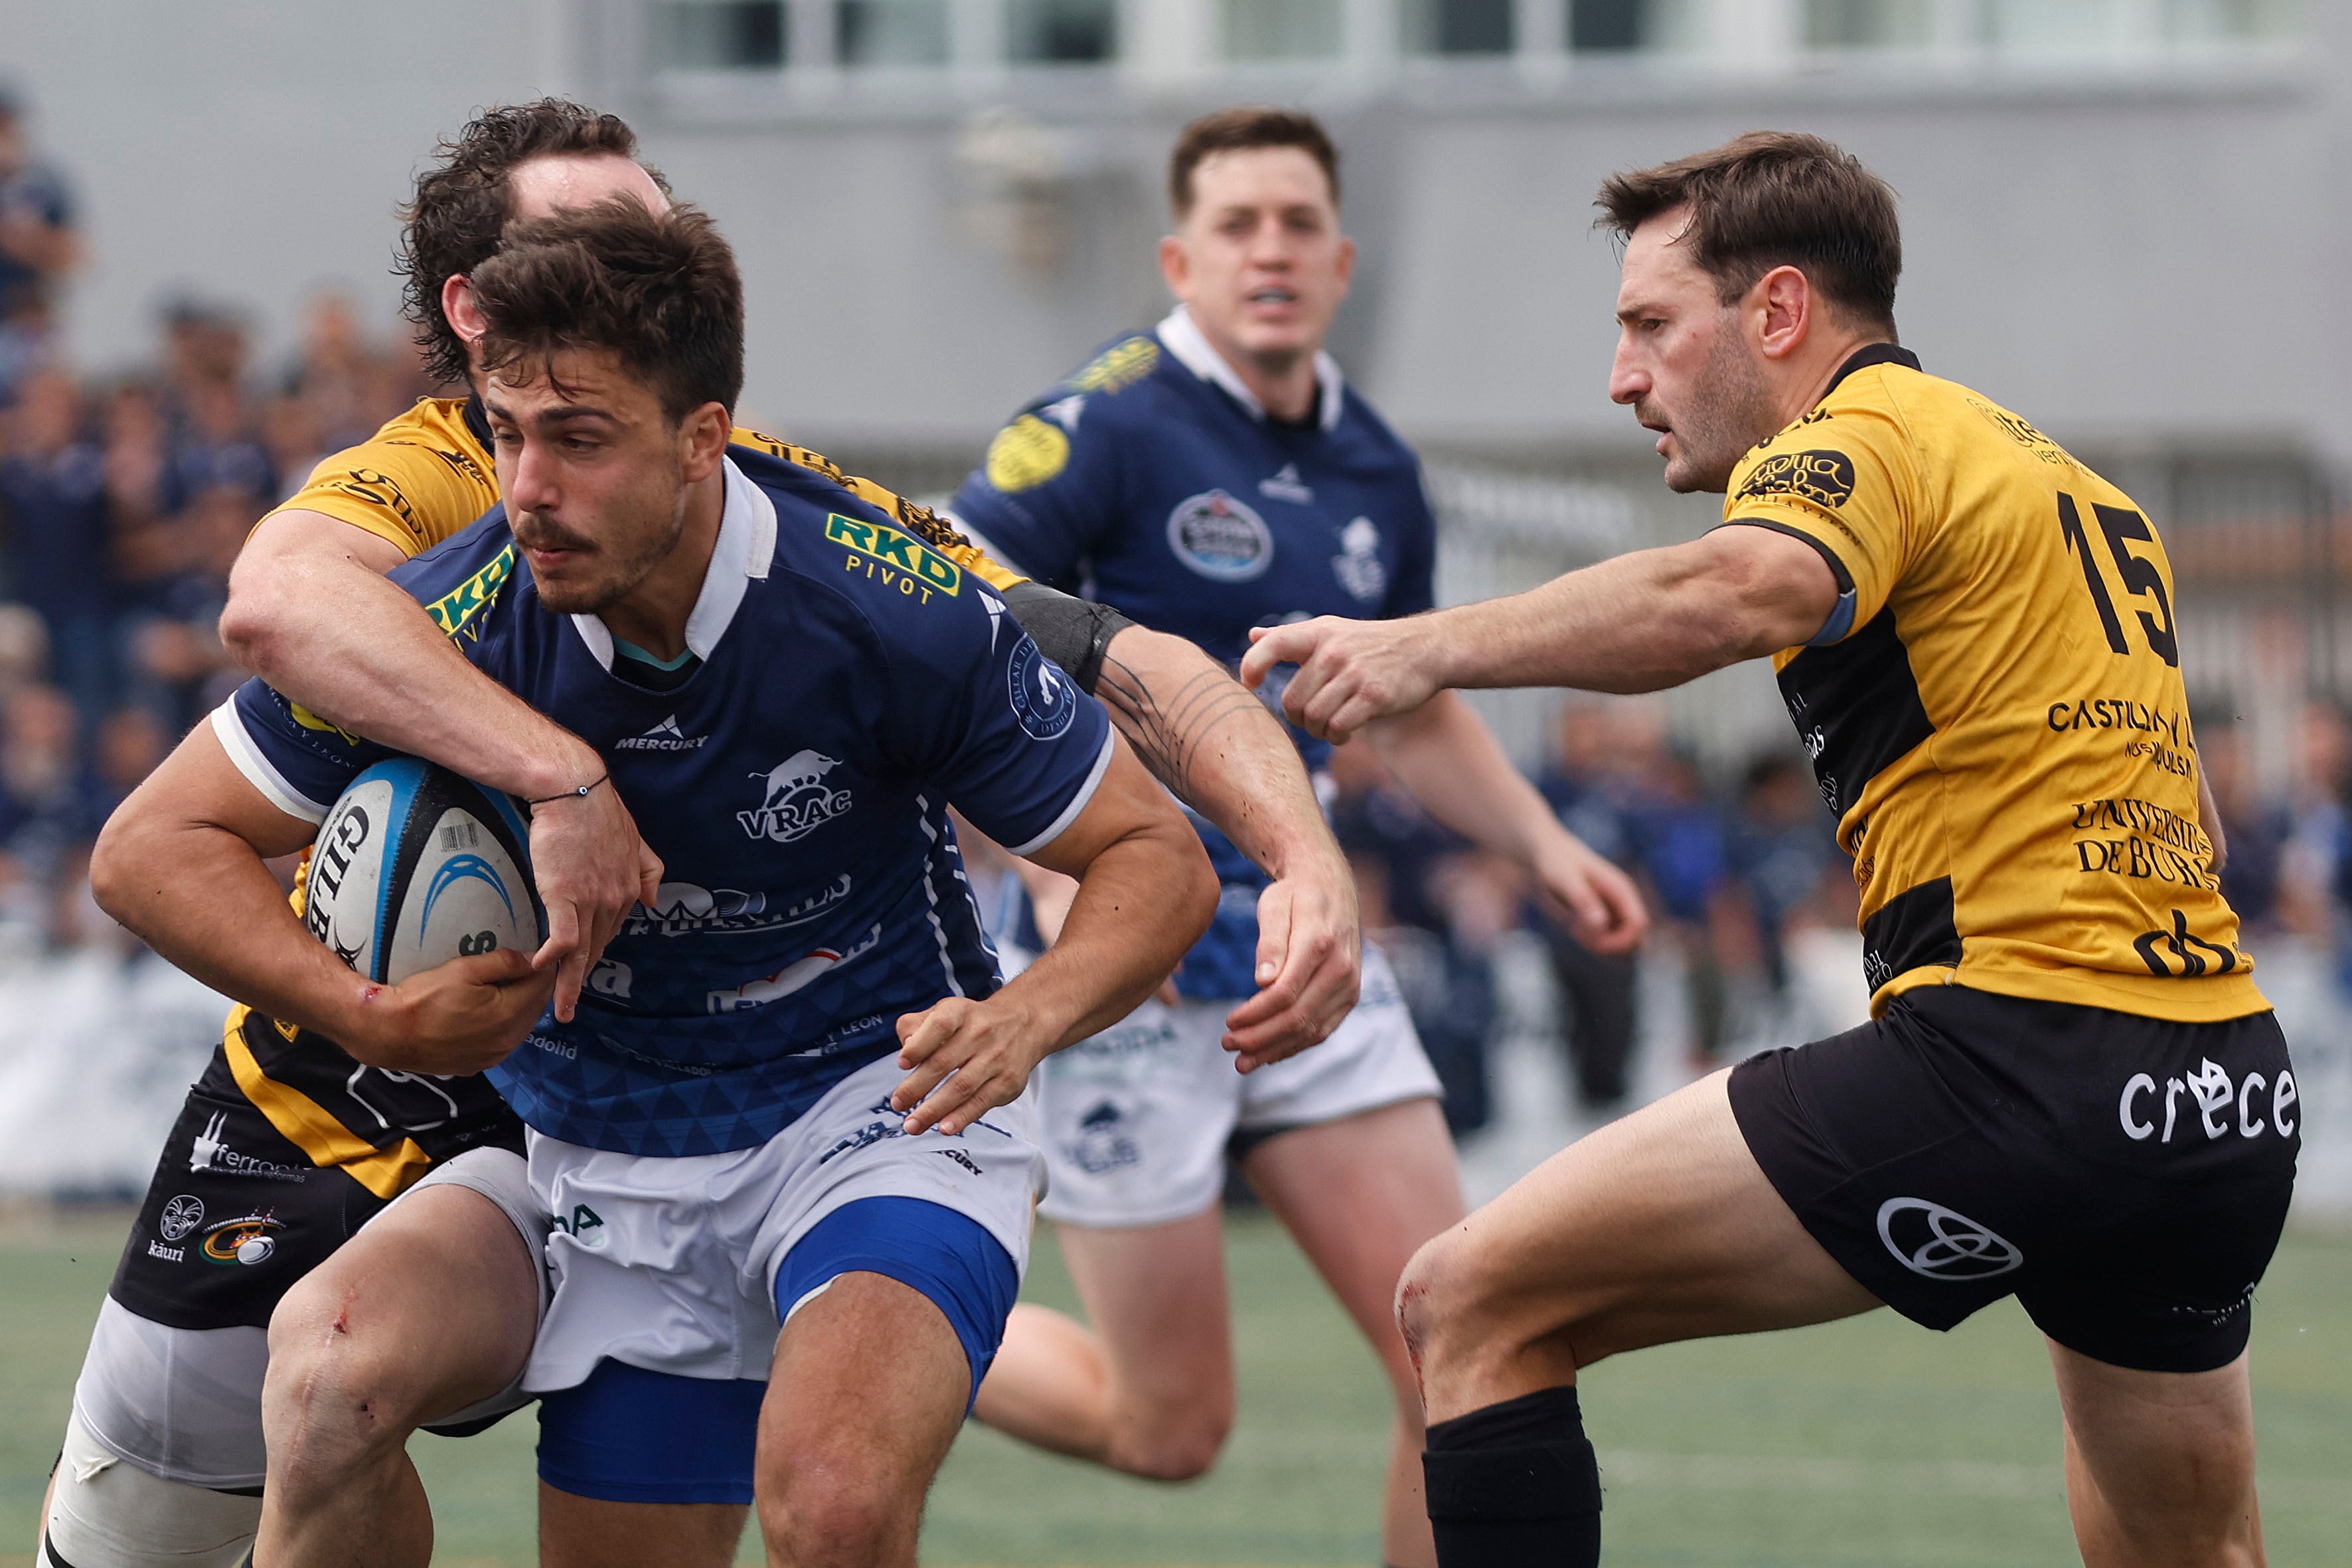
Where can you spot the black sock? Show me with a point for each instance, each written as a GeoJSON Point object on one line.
{"type": "Point", "coordinates": [1515, 1485]}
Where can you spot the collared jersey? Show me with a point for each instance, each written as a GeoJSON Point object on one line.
{"type": "Point", "coordinates": [424, 475]}
{"type": "Point", "coordinates": [1151, 481]}
{"type": "Point", "coordinates": [428, 472]}
{"type": "Point", "coordinates": [796, 787]}
{"type": "Point", "coordinates": [1995, 711]}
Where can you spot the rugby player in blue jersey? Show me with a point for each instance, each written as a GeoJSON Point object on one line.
{"type": "Point", "coordinates": [791, 1197]}
{"type": "Point", "coordinates": [1212, 475]}
{"type": "Point", "coordinates": [162, 1457]}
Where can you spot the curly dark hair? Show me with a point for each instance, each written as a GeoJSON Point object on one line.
{"type": "Point", "coordinates": [462, 205]}
{"type": "Point", "coordinates": [658, 291]}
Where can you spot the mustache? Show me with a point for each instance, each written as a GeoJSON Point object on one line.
{"type": "Point", "coordinates": [534, 531]}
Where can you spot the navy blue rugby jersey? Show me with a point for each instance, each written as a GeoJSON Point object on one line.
{"type": "Point", "coordinates": [854, 682]}
{"type": "Point", "coordinates": [1153, 480]}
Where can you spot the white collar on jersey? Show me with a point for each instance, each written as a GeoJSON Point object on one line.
{"type": "Point", "coordinates": [1193, 349]}
{"type": "Point", "coordinates": [746, 544]}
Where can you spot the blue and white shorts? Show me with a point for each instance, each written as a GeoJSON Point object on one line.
{"type": "Point", "coordinates": [1137, 1118]}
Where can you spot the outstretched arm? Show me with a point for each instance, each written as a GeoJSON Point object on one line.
{"type": "Point", "coordinates": [180, 863]}
{"type": "Point", "coordinates": [1641, 622]}
{"type": "Point", "coordinates": [1444, 752]}
{"type": "Point", "coordinates": [310, 611]}
{"type": "Point", "coordinates": [1145, 895]}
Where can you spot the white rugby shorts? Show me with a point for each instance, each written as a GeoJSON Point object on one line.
{"type": "Point", "coordinates": [669, 1263]}
{"type": "Point", "coordinates": [1137, 1118]}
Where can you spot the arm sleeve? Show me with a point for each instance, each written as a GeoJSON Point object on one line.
{"type": "Point", "coordinates": [398, 491]}
{"type": "Point", "coordinates": [298, 761]}
{"type": "Point", "coordinates": [1074, 633]}
{"type": "Point", "coordinates": [1009, 737]}
{"type": "Point", "coordinates": [1048, 488]}
{"type": "Point", "coordinates": [1848, 485]}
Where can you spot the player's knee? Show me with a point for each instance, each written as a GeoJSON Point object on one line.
{"type": "Point", "coordinates": [1437, 1288]}
{"type": "Point", "coordinates": [1177, 1446]}
{"type": "Point", "coordinates": [336, 1392]}
{"type": "Point", "coordinates": [827, 1510]}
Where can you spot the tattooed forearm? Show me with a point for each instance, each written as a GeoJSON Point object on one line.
{"type": "Point", "coordinates": [1170, 736]}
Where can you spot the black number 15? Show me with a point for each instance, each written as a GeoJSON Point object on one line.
{"type": "Point", "coordinates": [2140, 576]}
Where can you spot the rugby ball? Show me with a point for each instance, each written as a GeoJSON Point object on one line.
{"type": "Point", "coordinates": [414, 866]}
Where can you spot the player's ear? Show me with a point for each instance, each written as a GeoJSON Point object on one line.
{"type": "Point", "coordinates": [702, 438]}
{"type": "Point", "coordinates": [1347, 265]}
{"type": "Point", "coordinates": [459, 307]}
{"type": "Point", "coordinates": [1784, 297]}
{"type": "Point", "coordinates": [1176, 266]}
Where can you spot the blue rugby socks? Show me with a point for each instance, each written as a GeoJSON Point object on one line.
{"type": "Point", "coordinates": [1515, 1485]}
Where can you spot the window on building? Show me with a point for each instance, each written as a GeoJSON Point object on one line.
{"type": "Point", "coordinates": [1870, 23]}
{"type": "Point", "coordinates": [2215, 21]}
{"type": "Point", "coordinates": [1457, 26]}
{"type": "Point", "coordinates": [1281, 29]}
{"type": "Point", "coordinates": [719, 35]}
{"type": "Point", "coordinates": [1061, 32]}
{"type": "Point", "coordinates": [891, 32]}
{"type": "Point", "coordinates": [1600, 26]}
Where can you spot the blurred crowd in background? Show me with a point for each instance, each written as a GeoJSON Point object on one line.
{"type": "Point", "coordinates": [124, 500]}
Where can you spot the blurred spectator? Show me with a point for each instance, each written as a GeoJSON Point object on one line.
{"type": "Point", "coordinates": [338, 376]}
{"type": "Point", "coordinates": [1592, 793]}
{"type": "Point", "coordinates": [1783, 845]}
{"type": "Point", "coordinates": [2256, 831]}
{"type": "Point", "coordinates": [1680, 841]}
{"type": "Point", "coordinates": [1437, 909]}
{"type": "Point", "coordinates": [44, 812]}
{"type": "Point", "coordinates": [53, 509]}
{"type": "Point", "coordinates": [37, 248]}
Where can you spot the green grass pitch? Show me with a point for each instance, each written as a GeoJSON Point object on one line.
{"type": "Point", "coordinates": [1868, 1442]}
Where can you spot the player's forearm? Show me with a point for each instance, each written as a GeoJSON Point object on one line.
{"type": "Point", "coordinates": [202, 897]}
{"type": "Point", "coordinates": [325, 627]}
{"type": "Point", "coordinates": [1444, 752]}
{"type": "Point", "coordinates": [1641, 622]}
{"type": "Point", "coordinates": [1216, 748]}
{"type": "Point", "coordinates": [1142, 901]}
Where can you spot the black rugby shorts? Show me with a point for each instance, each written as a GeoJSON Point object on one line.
{"type": "Point", "coordinates": [235, 1214]}
{"type": "Point", "coordinates": [2125, 1177]}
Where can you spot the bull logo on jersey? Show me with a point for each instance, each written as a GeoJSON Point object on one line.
{"type": "Point", "coordinates": [1044, 698]}
{"type": "Point", "coordinates": [795, 801]}
{"type": "Point", "coordinates": [1940, 1243]}
{"type": "Point", "coordinates": [1822, 478]}
{"type": "Point", "coordinates": [1220, 538]}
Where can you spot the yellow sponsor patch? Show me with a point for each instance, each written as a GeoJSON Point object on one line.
{"type": "Point", "coordinates": [1120, 366]}
{"type": "Point", "coordinates": [893, 559]}
{"type": "Point", "coordinates": [453, 609]}
{"type": "Point", "coordinates": [1027, 453]}
{"type": "Point", "coordinates": [309, 720]}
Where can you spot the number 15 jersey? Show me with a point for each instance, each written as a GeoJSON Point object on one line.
{"type": "Point", "coordinates": [1996, 712]}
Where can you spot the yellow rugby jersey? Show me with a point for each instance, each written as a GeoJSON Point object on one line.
{"type": "Point", "coordinates": [1996, 712]}
{"type": "Point", "coordinates": [428, 472]}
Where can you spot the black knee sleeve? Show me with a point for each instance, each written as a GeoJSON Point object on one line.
{"type": "Point", "coordinates": [1515, 1485]}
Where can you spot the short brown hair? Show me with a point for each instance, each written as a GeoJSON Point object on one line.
{"type": "Point", "coordinates": [660, 293]}
{"type": "Point", "coordinates": [1240, 130]}
{"type": "Point", "coordinates": [462, 204]}
{"type": "Point", "coordinates": [1775, 198]}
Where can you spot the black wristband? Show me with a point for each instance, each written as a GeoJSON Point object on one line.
{"type": "Point", "coordinates": [579, 794]}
